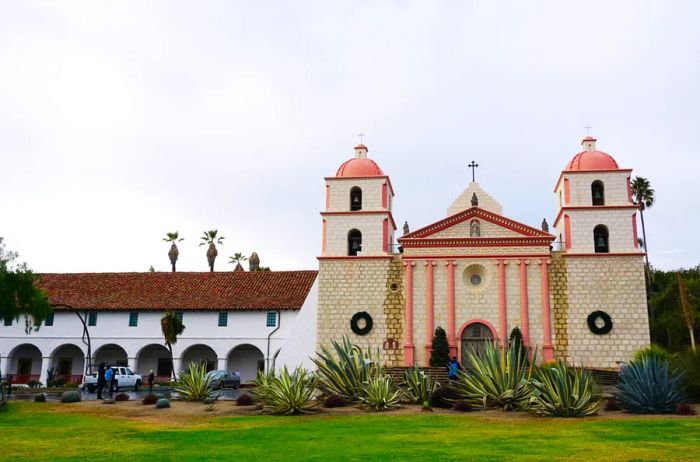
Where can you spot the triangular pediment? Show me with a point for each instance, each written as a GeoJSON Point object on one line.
{"type": "Point", "coordinates": [490, 225]}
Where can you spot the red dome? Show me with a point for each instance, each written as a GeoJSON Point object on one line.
{"type": "Point", "coordinates": [591, 159]}
{"type": "Point", "coordinates": [359, 167]}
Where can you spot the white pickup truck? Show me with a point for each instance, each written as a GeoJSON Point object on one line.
{"type": "Point", "coordinates": [123, 378]}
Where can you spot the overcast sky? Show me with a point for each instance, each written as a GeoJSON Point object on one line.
{"type": "Point", "coordinates": [121, 121]}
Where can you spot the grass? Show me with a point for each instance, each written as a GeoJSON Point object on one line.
{"type": "Point", "coordinates": [37, 432]}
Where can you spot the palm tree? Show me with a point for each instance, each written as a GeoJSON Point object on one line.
{"type": "Point", "coordinates": [172, 326]}
{"type": "Point", "coordinates": [237, 258]}
{"type": "Point", "coordinates": [210, 238]}
{"type": "Point", "coordinates": [173, 253]}
{"type": "Point", "coordinates": [643, 197]}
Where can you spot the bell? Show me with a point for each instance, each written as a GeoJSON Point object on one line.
{"type": "Point", "coordinates": [355, 245]}
{"type": "Point", "coordinates": [597, 194]}
{"type": "Point", "coordinates": [356, 199]}
{"type": "Point", "coordinates": [600, 242]}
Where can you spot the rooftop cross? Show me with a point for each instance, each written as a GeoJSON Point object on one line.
{"type": "Point", "coordinates": [361, 135]}
{"type": "Point", "coordinates": [473, 165]}
{"type": "Point", "coordinates": [588, 130]}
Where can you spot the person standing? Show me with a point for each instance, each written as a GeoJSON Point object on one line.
{"type": "Point", "coordinates": [151, 378]}
{"type": "Point", "coordinates": [109, 379]}
{"type": "Point", "coordinates": [100, 379]}
{"type": "Point", "coordinates": [453, 369]}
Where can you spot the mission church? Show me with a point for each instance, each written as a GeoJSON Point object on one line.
{"type": "Point", "coordinates": [578, 294]}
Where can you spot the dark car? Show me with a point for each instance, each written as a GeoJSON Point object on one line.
{"type": "Point", "coordinates": [224, 379]}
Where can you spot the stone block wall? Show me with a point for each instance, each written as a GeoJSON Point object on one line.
{"type": "Point", "coordinates": [339, 193]}
{"type": "Point", "coordinates": [621, 238]}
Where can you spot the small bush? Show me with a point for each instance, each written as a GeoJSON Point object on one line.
{"type": "Point", "coordinates": [150, 399]}
{"type": "Point", "coordinates": [286, 392]}
{"type": "Point", "coordinates": [72, 396]}
{"type": "Point", "coordinates": [121, 397]}
{"type": "Point", "coordinates": [419, 386]}
{"type": "Point", "coordinates": [611, 405]}
{"type": "Point", "coordinates": [654, 351]}
{"type": "Point", "coordinates": [162, 403]}
{"type": "Point", "coordinates": [462, 406]}
{"type": "Point", "coordinates": [108, 401]}
{"type": "Point", "coordinates": [649, 386]}
{"type": "Point", "coordinates": [562, 391]}
{"type": "Point", "coordinates": [685, 409]}
{"type": "Point", "coordinates": [380, 393]}
{"type": "Point", "coordinates": [58, 382]}
{"type": "Point", "coordinates": [34, 384]}
{"type": "Point", "coordinates": [334, 401]}
{"type": "Point", "coordinates": [343, 369]}
{"type": "Point", "coordinates": [245, 400]}
{"type": "Point", "coordinates": [196, 383]}
{"type": "Point", "coordinates": [210, 400]}
{"type": "Point", "coordinates": [690, 365]}
{"type": "Point", "coordinates": [210, 407]}
{"type": "Point", "coordinates": [71, 385]}
{"type": "Point", "coordinates": [40, 398]}
{"type": "Point", "coordinates": [442, 397]}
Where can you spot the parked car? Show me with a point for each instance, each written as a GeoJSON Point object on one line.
{"type": "Point", "coordinates": [224, 379]}
{"type": "Point", "coordinates": [123, 378]}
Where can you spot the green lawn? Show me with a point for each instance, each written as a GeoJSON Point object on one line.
{"type": "Point", "coordinates": [33, 432]}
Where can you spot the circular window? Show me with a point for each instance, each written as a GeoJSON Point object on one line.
{"type": "Point", "coordinates": [475, 279]}
{"type": "Point", "coordinates": [394, 287]}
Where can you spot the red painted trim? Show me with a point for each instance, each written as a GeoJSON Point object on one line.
{"type": "Point", "coordinates": [469, 257]}
{"type": "Point", "coordinates": [547, 348]}
{"type": "Point", "coordinates": [593, 207]}
{"type": "Point", "coordinates": [502, 308]}
{"type": "Point", "coordinates": [603, 255]}
{"type": "Point", "coordinates": [354, 178]}
{"type": "Point", "coordinates": [362, 257]}
{"type": "Point", "coordinates": [430, 309]}
{"type": "Point", "coordinates": [477, 242]}
{"type": "Point", "coordinates": [451, 307]}
{"type": "Point", "coordinates": [567, 192]}
{"type": "Point", "coordinates": [328, 197]}
{"type": "Point", "coordinates": [384, 196]}
{"type": "Point", "coordinates": [408, 347]}
{"type": "Point", "coordinates": [479, 213]}
{"type": "Point", "coordinates": [478, 321]}
{"type": "Point", "coordinates": [634, 231]}
{"type": "Point", "coordinates": [385, 235]}
{"type": "Point", "coordinates": [325, 236]}
{"type": "Point", "coordinates": [524, 304]}
{"type": "Point", "coordinates": [556, 186]}
{"type": "Point", "coordinates": [567, 231]}
{"type": "Point", "coordinates": [363, 212]}
{"type": "Point", "coordinates": [629, 190]}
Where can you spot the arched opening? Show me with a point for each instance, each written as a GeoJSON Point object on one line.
{"type": "Point", "coordinates": [473, 337]}
{"type": "Point", "coordinates": [600, 239]}
{"type": "Point", "coordinates": [598, 193]}
{"type": "Point", "coordinates": [247, 360]}
{"type": "Point", "coordinates": [111, 355]}
{"type": "Point", "coordinates": [354, 242]}
{"type": "Point", "coordinates": [355, 199]}
{"type": "Point", "coordinates": [25, 363]}
{"type": "Point", "coordinates": [156, 358]}
{"type": "Point", "coordinates": [68, 363]}
{"type": "Point", "coordinates": [201, 354]}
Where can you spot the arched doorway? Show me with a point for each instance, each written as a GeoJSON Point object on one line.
{"type": "Point", "coordinates": [247, 360]}
{"type": "Point", "coordinates": [25, 363]}
{"type": "Point", "coordinates": [473, 337]}
{"type": "Point", "coordinates": [68, 363]}
{"type": "Point", "coordinates": [201, 354]}
{"type": "Point", "coordinates": [156, 358]}
{"type": "Point", "coordinates": [111, 355]}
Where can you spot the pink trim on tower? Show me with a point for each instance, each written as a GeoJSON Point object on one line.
{"type": "Point", "coordinates": [478, 321]}
{"type": "Point", "coordinates": [547, 348]}
{"type": "Point", "coordinates": [328, 197]}
{"type": "Point", "coordinates": [634, 231]}
{"type": "Point", "coordinates": [524, 303]}
{"type": "Point", "coordinates": [567, 192]}
{"type": "Point", "coordinates": [502, 313]}
{"type": "Point", "coordinates": [408, 348]}
{"type": "Point", "coordinates": [325, 236]}
{"type": "Point", "coordinates": [430, 309]}
{"type": "Point", "coordinates": [567, 231]}
{"type": "Point", "coordinates": [451, 307]}
{"type": "Point", "coordinates": [384, 196]}
{"type": "Point", "coordinates": [629, 190]}
{"type": "Point", "coordinates": [385, 235]}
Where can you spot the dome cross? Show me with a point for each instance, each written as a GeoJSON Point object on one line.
{"type": "Point", "coordinates": [473, 166]}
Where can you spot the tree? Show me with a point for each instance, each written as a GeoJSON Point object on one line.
{"type": "Point", "coordinates": [171, 325]}
{"type": "Point", "coordinates": [173, 253]}
{"type": "Point", "coordinates": [643, 197]}
{"type": "Point", "coordinates": [440, 355]}
{"type": "Point", "coordinates": [210, 237]}
{"type": "Point", "coordinates": [687, 309]}
{"type": "Point", "coordinates": [516, 338]}
{"type": "Point", "coordinates": [237, 258]}
{"type": "Point", "coordinates": [19, 296]}
{"type": "Point", "coordinates": [670, 326]}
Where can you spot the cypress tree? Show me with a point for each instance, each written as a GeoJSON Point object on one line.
{"type": "Point", "coordinates": [516, 338]}
{"type": "Point", "coordinates": [440, 356]}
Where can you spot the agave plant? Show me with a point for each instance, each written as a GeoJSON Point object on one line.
{"type": "Point", "coordinates": [195, 382]}
{"type": "Point", "coordinates": [561, 391]}
{"type": "Point", "coordinates": [498, 378]}
{"type": "Point", "coordinates": [419, 386]}
{"type": "Point", "coordinates": [286, 393]}
{"type": "Point", "coordinates": [380, 393]}
{"type": "Point", "coordinates": [343, 373]}
{"type": "Point", "coordinates": [649, 386]}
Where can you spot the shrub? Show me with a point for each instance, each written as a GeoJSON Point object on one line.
{"type": "Point", "coordinates": [163, 403]}
{"type": "Point", "coordinates": [654, 351]}
{"type": "Point", "coordinates": [611, 404]}
{"type": "Point", "coordinates": [245, 400]}
{"type": "Point", "coordinates": [72, 396]}
{"type": "Point", "coordinates": [685, 409]}
{"type": "Point", "coordinates": [462, 406]}
{"type": "Point", "coordinates": [34, 384]}
{"type": "Point", "coordinates": [196, 384]}
{"type": "Point", "coordinates": [58, 382]}
{"type": "Point", "coordinates": [440, 354]}
{"type": "Point", "coordinates": [419, 386]}
{"type": "Point", "coordinates": [334, 401]}
{"type": "Point", "coordinates": [496, 379]}
{"type": "Point", "coordinates": [210, 407]}
{"type": "Point", "coordinates": [108, 401]}
{"type": "Point", "coordinates": [344, 372]}
{"type": "Point", "coordinates": [286, 393]}
{"type": "Point", "coordinates": [648, 386]}
{"type": "Point", "coordinates": [121, 397]}
{"type": "Point", "coordinates": [70, 385]}
{"type": "Point", "coordinates": [40, 398]}
{"type": "Point", "coordinates": [380, 393]}
{"type": "Point", "coordinates": [561, 391]}
{"type": "Point", "coordinates": [150, 399]}
{"type": "Point", "coordinates": [690, 365]}
{"type": "Point", "coordinates": [210, 400]}
{"type": "Point", "coordinates": [442, 397]}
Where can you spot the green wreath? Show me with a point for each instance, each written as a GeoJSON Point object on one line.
{"type": "Point", "coordinates": [607, 322]}
{"type": "Point", "coordinates": [355, 326]}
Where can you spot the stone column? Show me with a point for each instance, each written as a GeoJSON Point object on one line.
{"type": "Point", "coordinates": [451, 307]}
{"type": "Point", "coordinates": [502, 307]}
{"type": "Point", "coordinates": [430, 309]}
{"type": "Point", "coordinates": [547, 348]}
{"type": "Point", "coordinates": [524, 303]}
{"type": "Point", "coordinates": [45, 365]}
{"type": "Point", "coordinates": [408, 347]}
{"type": "Point", "coordinates": [133, 364]}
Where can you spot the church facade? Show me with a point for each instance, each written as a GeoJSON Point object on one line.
{"type": "Point", "coordinates": [577, 294]}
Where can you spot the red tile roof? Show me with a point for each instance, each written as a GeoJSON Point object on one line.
{"type": "Point", "coordinates": [274, 290]}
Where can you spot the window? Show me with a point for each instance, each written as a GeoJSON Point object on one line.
{"type": "Point", "coordinates": [92, 319]}
{"type": "Point", "coordinates": [271, 319]}
{"type": "Point", "coordinates": [600, 239]}
{"type": "Point", "coordinates": [355, 199]}
{"type": "Point", "coordinates": [354, 242]}
{"type": "Point", "coordinates": [8, 322]}
{"type": "Point", "coordinates": [597, 193]}
{"type": "Point", "coordinates": [178, 315]}
{"type": "Point", "coordinates": [475, 279]}
{"type": "Point", "coordinates": [49, 320]}
{"type": "Point", "coordinates": [223, 319]}
{"type": "Point", "coordinates": [133, 319]}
